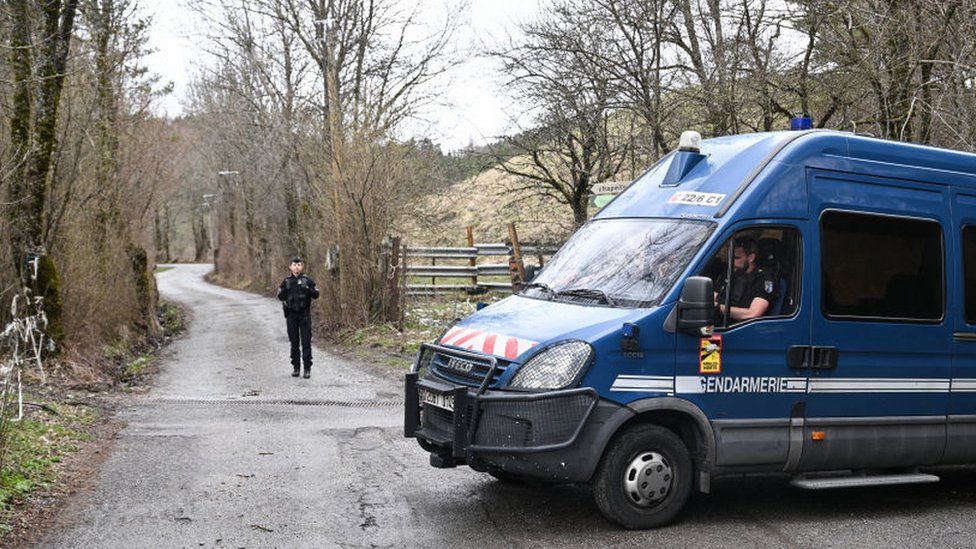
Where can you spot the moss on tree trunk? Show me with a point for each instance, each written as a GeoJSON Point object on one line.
{"type": "Point", "coordinates": [49, 287]}
{"type": "Point", "coordinates": [145, 289]}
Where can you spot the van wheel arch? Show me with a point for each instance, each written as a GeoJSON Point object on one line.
{"type": "Point", "coordinates": [684, 419]}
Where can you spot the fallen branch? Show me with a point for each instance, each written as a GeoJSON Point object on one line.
{"type": "Point", "coordinates": [42, 406]}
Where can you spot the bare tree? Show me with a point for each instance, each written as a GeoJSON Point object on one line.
{"type": "Point", "coordinates": [299, 79]}
{"type": "Point", "coordinates": [576, 141]}
{"type": "Point", "coordinates": [902, 55]}
{"type": "Point", "coordinates": [78, 182]}
{"type": "Point", "coordinates": [38, 57]}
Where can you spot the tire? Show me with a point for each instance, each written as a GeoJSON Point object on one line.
{"type": "Point", "coordinates": [643, 452]}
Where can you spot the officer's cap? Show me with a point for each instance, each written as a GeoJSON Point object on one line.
{"type": "Point", "coordinates": [297, 259]}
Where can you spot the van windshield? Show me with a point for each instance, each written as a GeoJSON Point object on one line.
{"type": "Point", "coordinates": [620, 262]}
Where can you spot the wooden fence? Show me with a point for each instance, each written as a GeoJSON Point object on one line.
{"type": "Point", "coordinates": [475, 268]}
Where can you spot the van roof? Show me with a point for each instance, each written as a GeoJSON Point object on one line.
{"type": "Point", "coordinates": [736, 167]}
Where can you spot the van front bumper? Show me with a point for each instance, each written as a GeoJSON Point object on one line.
{"type": "Point", "coordinates": [554, 435]}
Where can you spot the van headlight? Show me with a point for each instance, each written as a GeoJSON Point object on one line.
{"type": "Point", "coordinates": [421, 366]}
{"type": "Point", "coordinates": [553, 368]}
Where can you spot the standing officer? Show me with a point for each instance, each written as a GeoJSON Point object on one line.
{"type": "Point", "coordinates": [296, 293]}
{"type": "Point", "coordinates": [753, 289]}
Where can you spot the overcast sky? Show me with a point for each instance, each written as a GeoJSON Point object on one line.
{"type": "Point", "coordinates": [474, 108]}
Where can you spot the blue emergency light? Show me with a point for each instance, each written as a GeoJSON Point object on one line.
{"type": "Point", "coordinates": [802, 122]}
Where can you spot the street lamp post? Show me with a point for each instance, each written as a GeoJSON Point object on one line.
{"type": "Point", "coordinates": [227, 174]}
{"type": "Point", "coordinates": [210, 222]}
{"type": "Point", "coordinates": [216, 249]}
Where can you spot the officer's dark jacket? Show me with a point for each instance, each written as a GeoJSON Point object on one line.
{"type": "Point", "coordinates": [748, 286]}
{"type": "Point", "coordinates": [296, 293]}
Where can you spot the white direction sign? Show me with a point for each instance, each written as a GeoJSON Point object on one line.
{"type": "Point", "coordinates": [609, 187]}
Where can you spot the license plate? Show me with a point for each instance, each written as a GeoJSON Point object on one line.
{"type": "Point", "coordinates": [441, 400]}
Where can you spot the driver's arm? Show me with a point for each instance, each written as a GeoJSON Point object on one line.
{"type": "Point", "coordinates": [757, 308]}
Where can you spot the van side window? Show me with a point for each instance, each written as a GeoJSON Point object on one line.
{"type": "Point", "coordinates": [969, 272]}
{"type": "Point", "coordinates": [875, 266]}
{"type": "Point", "coordinates": [765, 275]}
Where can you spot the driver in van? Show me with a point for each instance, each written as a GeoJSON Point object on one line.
{"type": "Point", "coordinates": [752, 289]}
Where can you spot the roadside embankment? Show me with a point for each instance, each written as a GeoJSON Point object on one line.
{"type": "Point", "coordinates": [53, 451]}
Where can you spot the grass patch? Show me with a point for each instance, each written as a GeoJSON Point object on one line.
{"type": "Point", "coordinates": [131, 357]}
{"type": "Point", "coordinates": [138, 366]}
{"type": "Point", "coordinates": [116, 351]}
{"type": "Point", "coordinates": [162, 269]}
{"type": "Point", "coordinates": [34, 447]}
{"type": "Point", "coordinates": [129, 360]}
{"type": "Point", "coordinates": [170, 318]}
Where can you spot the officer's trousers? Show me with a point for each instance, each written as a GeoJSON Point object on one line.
{"type": "Point", "coordinates": [300, 331]}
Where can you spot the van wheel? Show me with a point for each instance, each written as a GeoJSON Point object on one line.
{"type": "Point", "coordinates": [644, 478]}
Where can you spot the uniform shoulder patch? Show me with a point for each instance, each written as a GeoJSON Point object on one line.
{"type": "Point", "coordinates": [768, 286]}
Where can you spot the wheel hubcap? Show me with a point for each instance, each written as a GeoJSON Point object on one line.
{"type": "Point", "coordinates": [648, 479]}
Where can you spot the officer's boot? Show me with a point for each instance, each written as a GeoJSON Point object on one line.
{"type": "Point", "coordinates": [295, 372]}
{"type": "Point", "coordinates": [308, 372]}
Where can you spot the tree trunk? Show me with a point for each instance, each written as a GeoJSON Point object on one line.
{"type": "Point", "coordinates": [335, 156]}
{"type": "Point", "coordinates": [20, 131]}
{"type": "Point", "coordinates": [580, 211]}
{"type": "Point", "coordinates": [145, 289]}
{"type": "Point", "coordinates": [201, 236]}
{"type": "Point", "coordinates": [34, 140]}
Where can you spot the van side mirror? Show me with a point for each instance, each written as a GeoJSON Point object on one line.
{"type": "Point", "coordinates": [696, 306]}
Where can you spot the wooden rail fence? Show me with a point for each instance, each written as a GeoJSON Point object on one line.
{"type": "Point", "coordinates": [479, 266]}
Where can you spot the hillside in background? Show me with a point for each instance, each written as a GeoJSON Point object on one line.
{"type": "Point", "coordinates": [485, 202]}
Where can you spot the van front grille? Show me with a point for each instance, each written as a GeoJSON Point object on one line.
{"type": "Point", "coordinates": [465, 370]}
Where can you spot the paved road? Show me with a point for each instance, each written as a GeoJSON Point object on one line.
{"type": "Point", "coordinates": [228, 450]}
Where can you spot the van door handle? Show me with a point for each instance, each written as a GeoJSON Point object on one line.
{"type": "Point", "coordinates": [798, 357]}
{"type": "Point", "coordinates": [825, 358]}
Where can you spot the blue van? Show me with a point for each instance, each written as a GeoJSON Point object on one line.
{"type": "Point", "coordinates": [800, 303]}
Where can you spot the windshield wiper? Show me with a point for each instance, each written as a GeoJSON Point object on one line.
{"type": "Point", "coordinates": [541, 286]}
{"type": "Point", "coordinates": [589, 292]}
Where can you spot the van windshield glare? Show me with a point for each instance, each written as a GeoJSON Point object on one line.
{"type": "Point", "coordinates": [621, 262]}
